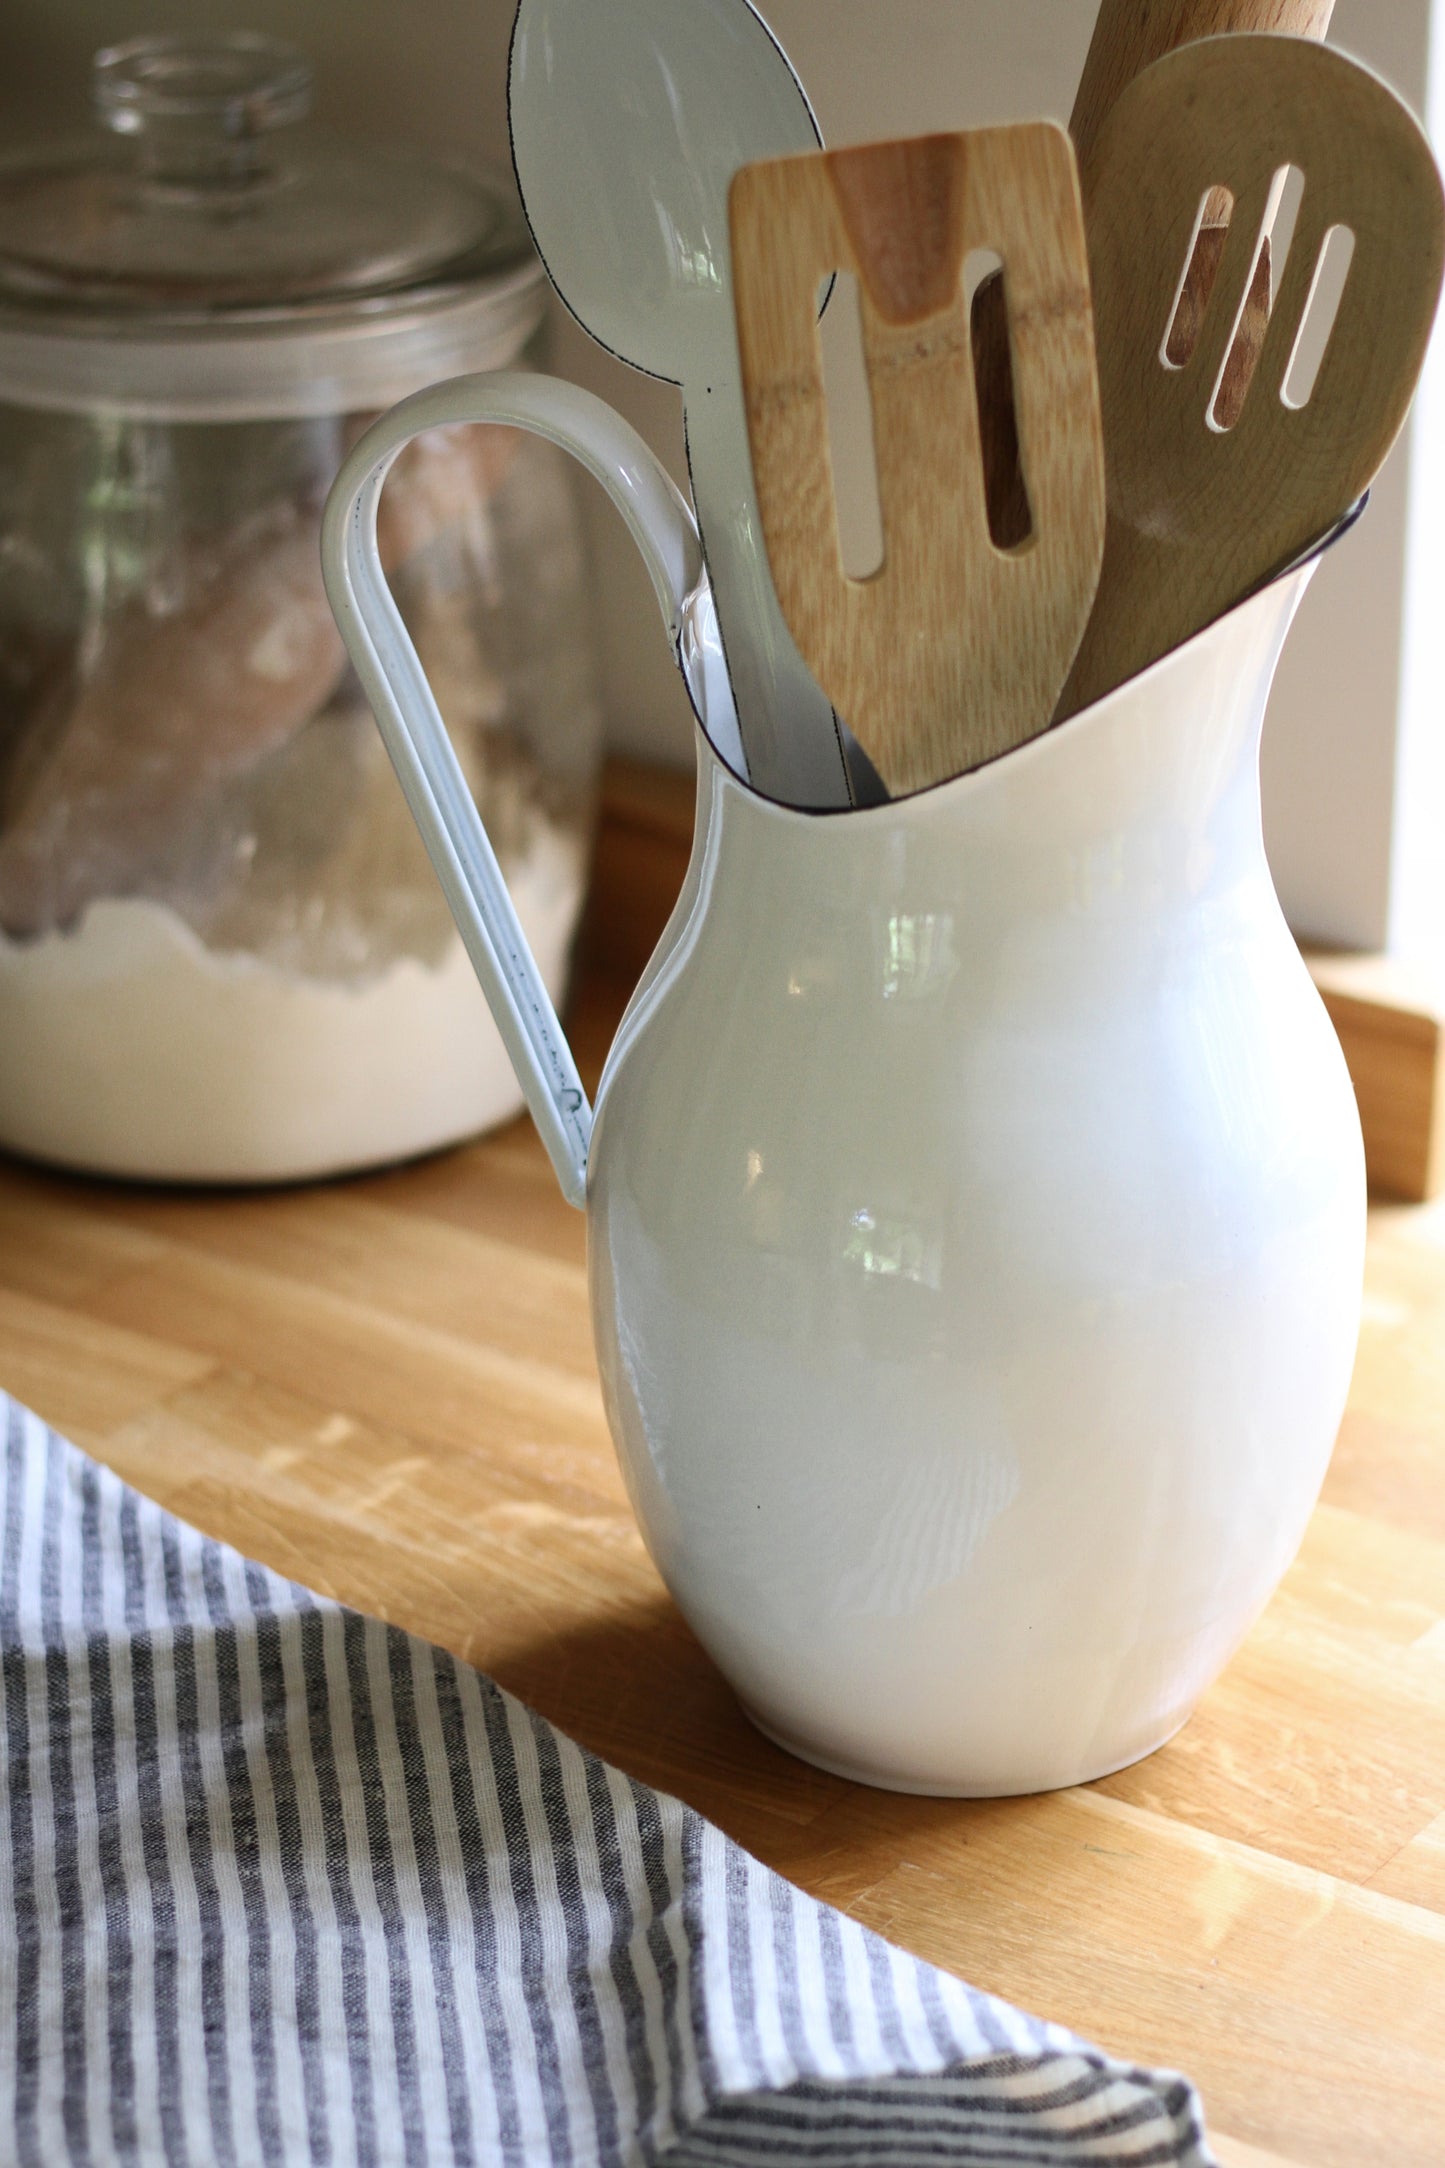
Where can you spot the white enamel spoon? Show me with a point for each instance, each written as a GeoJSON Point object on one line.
{"type": "Point", "coordinates": [629, 119]}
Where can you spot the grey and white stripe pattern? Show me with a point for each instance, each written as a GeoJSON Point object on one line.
{"type": "Point", "coordinates": [280, 1884]}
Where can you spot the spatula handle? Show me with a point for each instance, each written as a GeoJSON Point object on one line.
{"type": "Point", "coordinates": [1129, 35]}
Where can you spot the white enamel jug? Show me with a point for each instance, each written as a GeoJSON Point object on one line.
{"type": "Point", "coordinates": [975, 1198]}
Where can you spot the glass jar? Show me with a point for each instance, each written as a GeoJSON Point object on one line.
{"type": "Point", "coordinates": [223, 954]}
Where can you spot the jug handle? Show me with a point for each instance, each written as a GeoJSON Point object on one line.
{"type": "Point", "coordinates": [661, 523]}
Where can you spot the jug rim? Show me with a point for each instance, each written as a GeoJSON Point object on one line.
{"type": "Point", "coordinates": [1301, 568]}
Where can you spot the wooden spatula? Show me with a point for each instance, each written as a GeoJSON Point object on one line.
{"type": "Point", "coordinates": [1128, 36]}
{"type": "Point", "coordinates": [1205, 504]}
{"type": "Point", "coordinates": [955, 650]}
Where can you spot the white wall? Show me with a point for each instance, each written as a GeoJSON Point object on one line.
{"type": "Point", "coordinates": [1334, 742]}
{"type": "Point", "coordinates": [1417, 889]}
{"type": "Point", "coordinates": [1354, 763]}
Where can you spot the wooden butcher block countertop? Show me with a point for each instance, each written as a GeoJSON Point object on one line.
{"type": "Point", "coordinates": [385, 1388]}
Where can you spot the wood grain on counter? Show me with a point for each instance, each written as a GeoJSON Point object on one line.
{"type": "Point", "coordinates": [385, 1388]}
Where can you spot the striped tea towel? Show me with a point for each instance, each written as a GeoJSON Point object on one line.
{"type": "Point", "coordinates": [280, 1884]}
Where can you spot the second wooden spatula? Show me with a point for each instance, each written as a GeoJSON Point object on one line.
{"type": "Point", "coordinates": [1129, 35]}
{"type": "Point", "coordinates": [955, 650]}
{"type": "Point", "coordinates": [1206, 501]}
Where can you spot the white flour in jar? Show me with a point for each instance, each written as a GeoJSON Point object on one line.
{"type": "Point", "coordinates": [129, 1047]}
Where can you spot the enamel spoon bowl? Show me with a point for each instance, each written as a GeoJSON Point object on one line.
{"type": "Point", "coordinates": [629, 119]}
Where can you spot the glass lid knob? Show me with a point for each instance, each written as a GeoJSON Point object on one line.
{"type": "Point", "coordinates": [197, 105]}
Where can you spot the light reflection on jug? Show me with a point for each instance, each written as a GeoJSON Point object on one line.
{"type": "Point", "coordinates": [887, 1247]}
{"type": "Point", "coordinates": [918, 954]}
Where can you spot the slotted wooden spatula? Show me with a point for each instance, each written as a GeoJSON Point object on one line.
{"type": "Point", "coordinates": [1128, 35]}
{"type": "Point", "coordinates": [955, 650]}
{"type": "Point", "coordinates": [1207, 501]}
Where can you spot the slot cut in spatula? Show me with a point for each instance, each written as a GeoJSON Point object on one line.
{"type": "Point", "coordinates": [955, 649]}
{"type": "Point", "coordinates": [1206, 504]}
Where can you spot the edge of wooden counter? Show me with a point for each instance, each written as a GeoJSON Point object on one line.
{"type": "Point", "coordinates": [1391, 1022]}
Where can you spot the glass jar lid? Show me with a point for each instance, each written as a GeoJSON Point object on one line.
{"type": "Point", "coordinates": [204, 219]}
